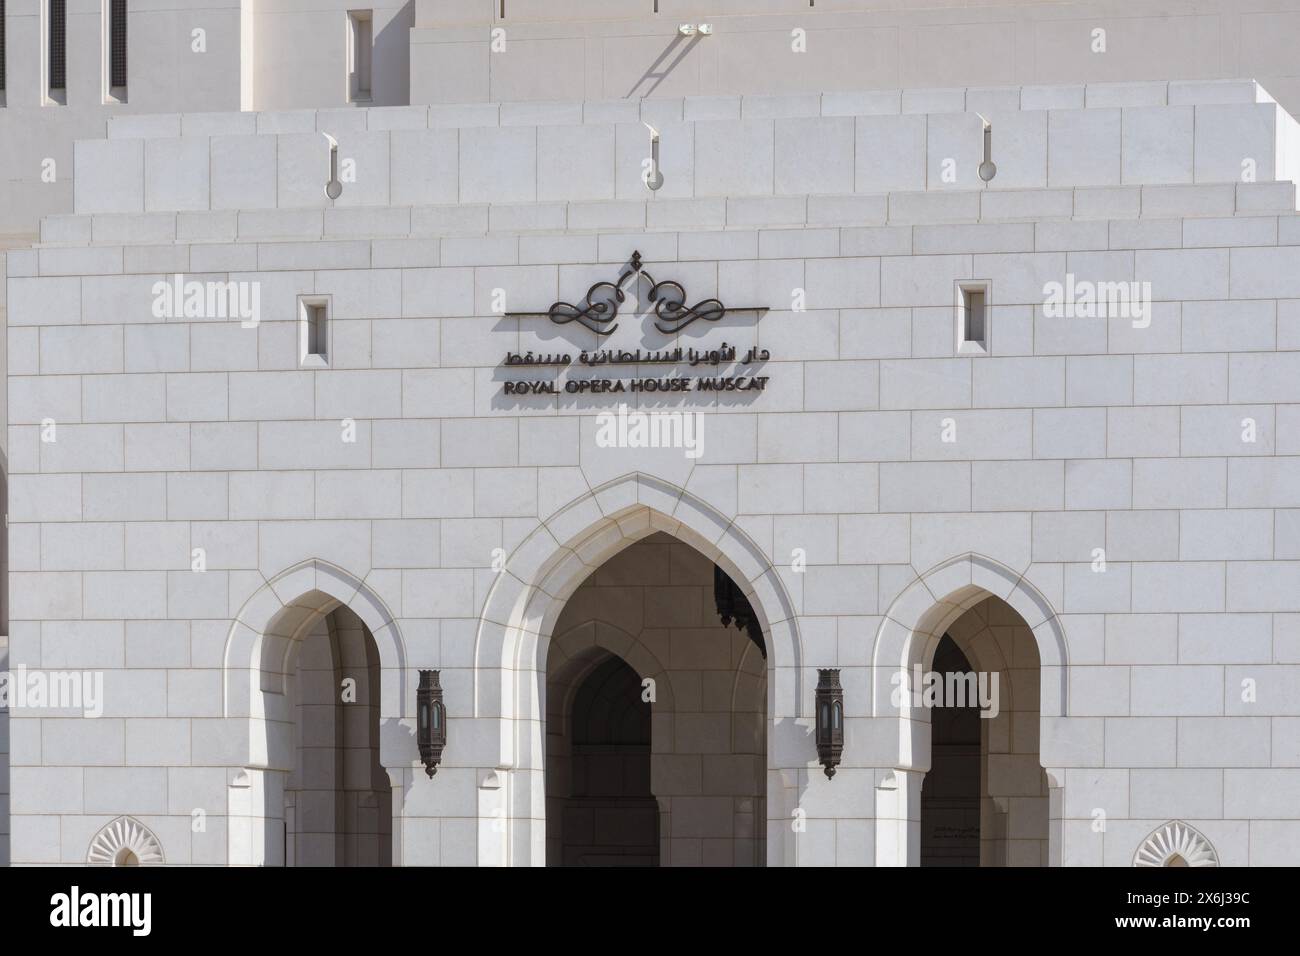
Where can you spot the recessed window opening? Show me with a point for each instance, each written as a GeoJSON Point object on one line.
{"type": "Point", "coordinates": [973, 317]}
{"type": "Point", "coordinates": [313, 331]}
{"type": "Point", "coordinates": [973, 306]}
{"type": "Point", "coordinates": [57, 50]}
{"type": "Point", "coordinates": [116, 41]}
{"type": "Point", "coordinates": [360, 48]}
{"type": "Point", "coordinates": [2, 52]}
{"type": "Point", "coordinates": [115, 51]}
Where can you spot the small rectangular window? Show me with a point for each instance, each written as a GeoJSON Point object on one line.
{"type": "Point", "coordinates": [972, 317]}
{"type": "Point", "coordinates": [313, 330]}
{"type": "Point", "coordinates": [117, 48]}
{"type": "Point", "coordinates": [316, 329]}
{"type": "Point", "coordinates": [360, 43]}
{"type": "Point", "coordinates": [57, 64]}
{"type": "Point", "coordinates": [2, 52]}
{"type": "Point", "coordinates": [974, 325]}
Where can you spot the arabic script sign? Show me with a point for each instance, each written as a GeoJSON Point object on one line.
{"type": "Point", "coordinates": [741, 379]}
{"type": "Point", "coordinates": [600, 307]}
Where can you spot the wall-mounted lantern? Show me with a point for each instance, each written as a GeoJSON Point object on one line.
{"type": "Point", "coordinates": [431, 721]}
{"type": "Point", "coordinates": [830, 719]}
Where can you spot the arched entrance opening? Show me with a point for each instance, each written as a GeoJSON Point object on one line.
{"type": "Point", "coordinates": [656, 716]}
{"type": "Point", "coordinates": [313, 692]}
{"type": "Point", "coordinates": [516, 639]}
{"type": "Point", "coordinates": [998, 637]}
{"type": "Point", "coordinates": [600, 810]}
{"type": "Point", "coordinates": [950, 793]}
{"type": "Point", "coordinates": [337, 797]}
{"type": "Point", "coordinates": [984, 799]}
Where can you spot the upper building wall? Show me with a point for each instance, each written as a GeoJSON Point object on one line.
{"type": "Point", "coordinates": [835, 144]}
{"type": "Point", "coordinates": [185, 57]}
{"type": "Point", "coordinates": [599, 49]}
{"type": "Point", "coordinates": [300, 55]}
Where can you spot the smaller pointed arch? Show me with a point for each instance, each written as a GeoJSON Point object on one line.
{"type": "Point", "coordinates": [936, 598]}
{"type": "Point", "coordinates": [278, 613]}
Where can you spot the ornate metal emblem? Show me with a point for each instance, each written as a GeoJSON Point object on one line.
{"type": "Point", "coordinates": [600, 306]}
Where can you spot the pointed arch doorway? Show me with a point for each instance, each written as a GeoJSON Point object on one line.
{"type": "Point", "coordinates": [310, 688]}
{"type": "Point", "coordinates": [517, 640]}
{"type": "Point", "coordinates": [976, 619]}
{"type": "Point", "coordinates": [655, 730]}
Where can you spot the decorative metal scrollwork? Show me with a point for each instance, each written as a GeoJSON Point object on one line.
{"type": "Point", "coordinates": [672, 314]}
{"type": "Point", "coordinates": [600, 306]}
{"type": "Point", "coordinates": [670, 307]}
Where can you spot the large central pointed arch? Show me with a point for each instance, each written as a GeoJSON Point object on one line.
{"type": "Point", "coordinates": [529, 593]}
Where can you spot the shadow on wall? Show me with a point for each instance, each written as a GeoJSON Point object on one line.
{"type": "Point", "coordinates": [673, 54]}
{"type": "Point", "coordinates": [393, 48]}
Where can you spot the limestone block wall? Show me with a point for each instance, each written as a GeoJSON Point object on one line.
{"type": "Point", "coordinates": [859, 143]}
{"type": "Point", "coordinates": [164, 73]}
{"type": "Point", "coordinates": [202, 56]}
{"type": "Point", "coordinates": [1172, 447]}
{"type": "Point", "coordinates": [483, 51]}
{"type": "Point", "coordinates": [297, 54]}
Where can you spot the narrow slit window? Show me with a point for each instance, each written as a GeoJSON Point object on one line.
{"type": "Point", "coordinates": [316, 329]}
{"type": "Point", "coordinates": [973, 315]}
{"type": "Point", "coordinates": [117, 47]}
{"type": "Point", "coordinates": [313, 320]}
{"type": "Point", "coordinates": [2, 52]}
{"type": "Point", "coordinates": [360, 46]}
{"type": "Point", "coordinates": [58, 51]}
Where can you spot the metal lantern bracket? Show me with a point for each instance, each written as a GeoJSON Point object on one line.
{"type": "Point", "coordinates": [431, 721]}
{"type": "Point", "coordinates": [830, 719]}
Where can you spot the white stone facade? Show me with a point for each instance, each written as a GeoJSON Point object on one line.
{"type": "Point", "coordinates": [201, 55]}
{"type": "Point", "coordinates": [229, 519]}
